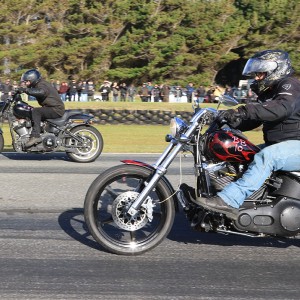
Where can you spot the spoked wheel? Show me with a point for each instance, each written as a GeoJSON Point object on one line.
{"type": "Point", "coordinates": [88, 146]}
{"type": "Point", "coordinates": [106, 205]}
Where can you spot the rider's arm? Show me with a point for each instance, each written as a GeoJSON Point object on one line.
{"type": "Point", "coordinates": [36, 92]}
{"type": "Point", "coordinates": [281, 106]}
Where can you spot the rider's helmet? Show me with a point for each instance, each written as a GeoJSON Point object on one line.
{"type": "Point", "coordinates": [33, 76]}
{"type": "Point", "coordinates": [275, 63]}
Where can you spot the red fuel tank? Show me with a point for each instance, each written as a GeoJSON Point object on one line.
{"type": "Point", "coordinates": [229, 145]}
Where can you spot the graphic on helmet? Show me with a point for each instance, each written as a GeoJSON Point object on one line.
{"type": "Point", "coordinates": [275, 63]}
{"type": "Point", "coordinates": [33, 76]}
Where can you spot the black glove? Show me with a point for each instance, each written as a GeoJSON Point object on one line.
{"type": "Point", "coordinates": [232, 117]}
{"type": "Point", "coordinates": [20, 90]}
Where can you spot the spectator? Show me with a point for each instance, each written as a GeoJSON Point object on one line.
{"type": "Point", "coordinates": [123, 91]}
{"type": "Point", "coordinates": [14, 85]}
{"type": "Point", "coordinates": [115, 91]}
{"type": "Point", "coordinates": [217, 93]}
{"type": "Point", "coordinates": [156, 93]}
{"type": "Point", "coordinates": [131, 91]}
{"type": "Point", "coordinates": [165, 92]}
{"type": "Point", "coordinates": [90, 90]}
{"type": "Point", "coordinates": [72, 90]}
{"type": "Point", "coordinates": [240, 94]}
{"type": "Point", "coordinates": [6, 89]}
{"type": "Point", "coordinates": [210, 94]}
{"type": "Point", "coordinates": [57, 85]}
{"type": "Point", "coordinates": [79, 89]}
{"type": "Point", "coordinates": [178, 93]}
{"type": "Point", "coordinates": [190, 92]}
{"type": "Point", "coordinates": [149, 87]}
{"type": "Point", "coordinates": [84, 92]}
{"type": "Point", "coordinates": [63, 90]}
{"type": "Point", "coordinates": [143, 93]}
{"type": "Point", "coordinates": [105, 90]}
{"type": "Point", "coordinates": [228, 91]}
{"type": "Point", "coordinates": [201, 94]}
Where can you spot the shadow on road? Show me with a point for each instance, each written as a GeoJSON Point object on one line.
{"type": "Point", "coordinates": [182, 232]}
{"type": "Point", "coordinates": [72, 222]}
{"type": "Point", "coordinates": [36, 156]}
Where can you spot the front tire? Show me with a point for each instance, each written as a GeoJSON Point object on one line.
{"type": "Point", "coordinates": [106, 205]}
{"type": "Point", "coordinates": [89, 149]}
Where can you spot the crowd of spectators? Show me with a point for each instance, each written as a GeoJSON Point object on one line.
{"type": "Point", "coordinates": [85, 91]}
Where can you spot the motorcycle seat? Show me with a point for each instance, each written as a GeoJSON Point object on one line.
{"type": "Point", "coordinates": [68, 113]}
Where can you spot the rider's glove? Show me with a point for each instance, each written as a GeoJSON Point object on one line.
{"type": "Point", "coordinates": [20, 90]}
{"type": "Point", "coordinates": [232, 117]}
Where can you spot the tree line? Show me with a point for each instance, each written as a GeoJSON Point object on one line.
{"type": "Point", "coordinates": [174, 41]}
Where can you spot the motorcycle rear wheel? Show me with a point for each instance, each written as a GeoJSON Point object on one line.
{"type": "Point", "coordinates": [105, 209]}
{"type": "Point", "coordinates": [91, 148]}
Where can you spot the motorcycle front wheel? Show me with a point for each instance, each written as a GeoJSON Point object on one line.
{"type": "Point", "coordinates": [89, 145]}
{"type": "Point", "coordinates": [106, 205]}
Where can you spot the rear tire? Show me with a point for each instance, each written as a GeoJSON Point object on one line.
{"type": "Point", "coordinates": [90, 149]}
{"type": "Point", "coordinates": [106, 205]}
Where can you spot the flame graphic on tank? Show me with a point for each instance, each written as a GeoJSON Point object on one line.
{"type": "Point", "coordinates": [226, 146]}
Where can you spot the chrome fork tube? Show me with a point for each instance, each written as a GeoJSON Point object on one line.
{"type": "Point", "coordinates": [161, 168]}
{"type": "Point", "coordinates": [164, 155]}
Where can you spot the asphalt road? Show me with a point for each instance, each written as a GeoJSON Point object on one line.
{"type": "Point", "coordinates": [47, 253]}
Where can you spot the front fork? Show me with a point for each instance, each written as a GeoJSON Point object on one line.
{"type": "Point", "coordinates": [161, 167]}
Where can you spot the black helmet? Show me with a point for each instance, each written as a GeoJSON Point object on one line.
{"type": "Point", "coordinates": [33, 76]}
{"type": "Point", "coordinates": [275, 63]}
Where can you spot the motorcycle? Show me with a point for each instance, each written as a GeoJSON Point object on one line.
{"type": "Point", "coordinates": [71, 133]}
{"type": "Point", "coordinates": [130, 208]}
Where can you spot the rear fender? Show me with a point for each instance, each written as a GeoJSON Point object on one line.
{"type": "Point", "coordinates": [163, 178]}
{"type": "Point", "coordinates": [81, 118]}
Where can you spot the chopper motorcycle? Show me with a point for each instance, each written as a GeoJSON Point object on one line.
{"type": "Point", "coordinates": [71, 133]}
{"type": "Point", "coordinates": [129, 209]}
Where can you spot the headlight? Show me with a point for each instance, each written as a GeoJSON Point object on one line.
{"type": "Point", "coordinates": [177, 127]}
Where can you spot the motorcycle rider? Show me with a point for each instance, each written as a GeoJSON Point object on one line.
{"type": "Point", "coordinates": [48, 98]}
{"type": "Point", "coordinates": [278, 110]}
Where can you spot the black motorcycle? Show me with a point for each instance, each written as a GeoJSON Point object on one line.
{"type": "Point", "coordinates": [72, 133]}
{"type": "Point", "coordinates": [130, 208]}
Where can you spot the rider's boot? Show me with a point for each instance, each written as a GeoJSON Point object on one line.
{"type": "Point", "coordinates": [217, 204]}
{"type": "Point", "coordinates": [33, 141]}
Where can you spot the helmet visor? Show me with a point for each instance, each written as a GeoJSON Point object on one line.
{"type": "Point", "coordinates": [255, 65]}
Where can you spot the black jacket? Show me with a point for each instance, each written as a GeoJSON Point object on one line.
{"type": "Point", "coordinates": [47, 96]}
{"type": "Point", "coordinates": [278, 110]}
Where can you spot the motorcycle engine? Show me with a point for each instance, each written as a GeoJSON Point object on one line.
{"type": "Point", "coordinates": [221, 174]}
{"type": "Point", "coordinates": [21, 127]}
{"type": "Point", "coordinates": [49, 141]}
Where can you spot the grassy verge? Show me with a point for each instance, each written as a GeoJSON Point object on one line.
{"type": "Point", "coordinates": [134, 138]}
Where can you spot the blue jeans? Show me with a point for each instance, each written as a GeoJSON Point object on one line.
{"type": "Point", "coordinates": [283, 156]}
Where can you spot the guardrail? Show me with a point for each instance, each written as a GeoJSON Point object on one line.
{"type": "Point", "coordinates": [142, 117]}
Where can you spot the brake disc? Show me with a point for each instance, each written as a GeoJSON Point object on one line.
{"type": "Point", "coordinates": [124, 220]}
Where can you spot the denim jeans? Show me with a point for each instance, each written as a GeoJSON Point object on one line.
{"type": "Point", "coordinates": [283, 156]}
